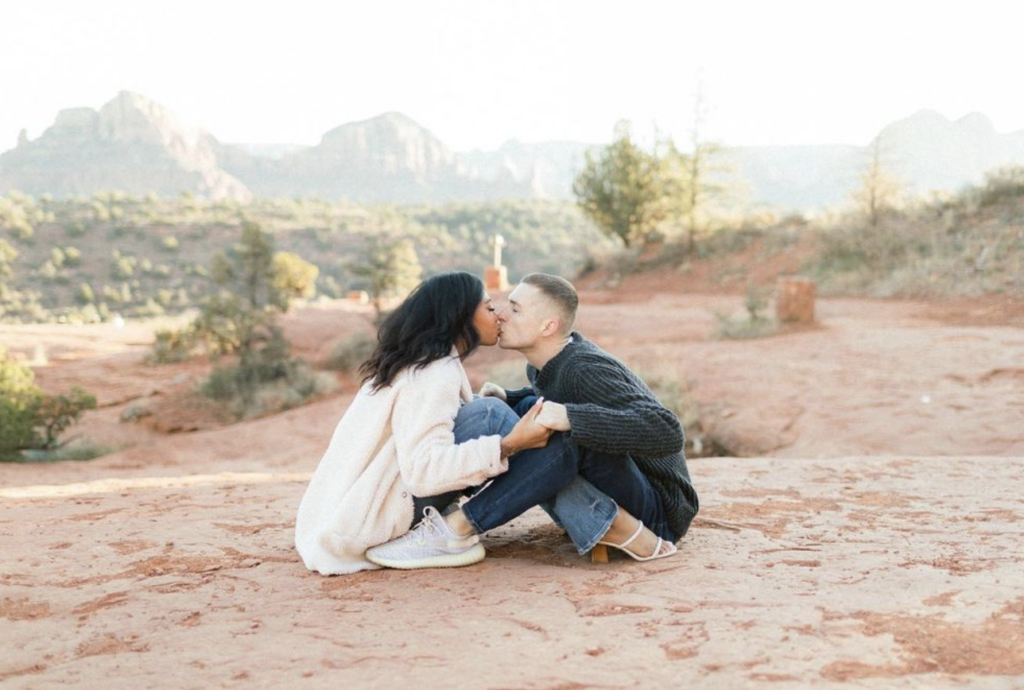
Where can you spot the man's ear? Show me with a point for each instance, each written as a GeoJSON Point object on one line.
{"type": "Point", "coordinates": [550, 327]}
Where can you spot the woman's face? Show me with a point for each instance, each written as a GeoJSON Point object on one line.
{"type": "Point", "coordinates": [485, 320]}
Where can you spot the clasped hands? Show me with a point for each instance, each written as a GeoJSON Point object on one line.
{"type": "Point", "coordinates": [537, 425]}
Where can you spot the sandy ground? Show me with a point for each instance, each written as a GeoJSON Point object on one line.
{"type": "Point", "coordinates": [873, 542]}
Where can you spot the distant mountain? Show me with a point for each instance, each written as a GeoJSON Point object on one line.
{"type": "Point", "coordinates": [131, 144]}
{"type": "Point", "coordinates": [927, 151]}
{"type": "Point", "coordinates": [932, 152]}
{"type": "Point", "coordinates": [136, 145]}
{"type": "Point", "coordinates": [548, 167]}
{"type": "Point", "coordinates": [388, 158]}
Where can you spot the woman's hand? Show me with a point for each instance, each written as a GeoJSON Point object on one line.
{"type": "Point", "coordinates": [527, 433]}
{"type": "Point", "coordinates": [492, 389]}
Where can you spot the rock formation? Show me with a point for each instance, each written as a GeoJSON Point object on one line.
{"type": "Point", "coordinates": [131, 144]}
{"type": "Point", "coordinates": [138, 146]}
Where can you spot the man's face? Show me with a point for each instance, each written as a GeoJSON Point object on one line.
{"type": "Point", "coordinates": [524, 318]}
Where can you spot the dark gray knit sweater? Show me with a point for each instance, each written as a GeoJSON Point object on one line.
{"type": "Point", "coordinates": [611, 410]}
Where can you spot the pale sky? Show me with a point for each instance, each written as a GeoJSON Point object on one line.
{"type": "Point", "coordinates": [479, 72]}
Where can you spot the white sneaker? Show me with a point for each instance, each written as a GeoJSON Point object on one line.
{"type": "Point", "coordinates": [430, 544]}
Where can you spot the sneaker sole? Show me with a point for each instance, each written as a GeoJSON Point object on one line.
{"type": "Point", "coordinates": [473, 554]}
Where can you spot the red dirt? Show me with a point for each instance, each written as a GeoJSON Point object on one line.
{"type": "Point", "coordinates": [874, 540]}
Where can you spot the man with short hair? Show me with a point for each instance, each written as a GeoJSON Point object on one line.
{"type": "Point", "coordinates": [613, 471]}
{"type": "Point", "coordinates": [630, 446]}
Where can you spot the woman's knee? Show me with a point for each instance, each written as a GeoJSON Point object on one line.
{"type": "Point", "coordinates": [484, 417]}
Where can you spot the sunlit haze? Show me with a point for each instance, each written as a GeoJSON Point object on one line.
{"type": "Point", "coordinates": [479, 73]}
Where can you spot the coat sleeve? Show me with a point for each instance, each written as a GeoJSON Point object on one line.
{"type": "Point", "coordinates": [423, 424]}
{"type": "Point", "coordinates": [614, 413]}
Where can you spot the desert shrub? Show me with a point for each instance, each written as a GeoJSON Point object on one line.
{"type": "Point", "coordinates": [122, 267]}
{"type": "Point", "coordinates": [169, 243]}
{"type": "Point", "coordinates": [755, 324]}
{"type": "Point", "coordinates": [29, 418]}
{"type": "Point", "coordinates": [57, 256]}
{"type": "Point", "coordinates": [72, 256]}
{"type": "Point", "coordinates": [111, 294]}
{"type": "Point", "coordinates": [171, 345]}
{"type": "Point", "coordinates": [148, 308]}
{"type": "Point", "coordinates": [293, 276]}
{"type": "Point", "coordinates": [48, 271]}
{"type": "Point", "coordinates": [349, 354]}
{"type": "Point", "coordinates": [743, 328]}
{"type": "Point", "coordinates": [75, 229]}
{"type": "Point", "coordinates": [55, 413]}
{"type": "Point", "coordinates": [728, 241]}
{"type": "Point", "coordinates": [1002, 184]}
{"type": "Point", "coordinates": [84, 294]}
{"type": "Point", "coordinates": [262, 387]}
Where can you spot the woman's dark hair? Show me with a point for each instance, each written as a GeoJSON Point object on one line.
{"type": "Point", "coordinates": [425, 326]}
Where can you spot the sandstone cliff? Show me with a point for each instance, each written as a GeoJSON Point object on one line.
{"type": "Point", "coordinates": [131, 143]}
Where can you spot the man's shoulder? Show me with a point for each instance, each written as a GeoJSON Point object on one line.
{"type": "Point", "coordinates": [586, 352]}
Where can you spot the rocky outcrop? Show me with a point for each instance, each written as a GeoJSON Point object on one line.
{"type": "Point", "coordinates": [132, 144]}
{"type": "Point", "coordinates": [389, 158]}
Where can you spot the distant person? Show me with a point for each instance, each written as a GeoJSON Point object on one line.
{"type": "Point", "coordinates": [613, 474]}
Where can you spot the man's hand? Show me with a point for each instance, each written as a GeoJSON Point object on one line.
{"type": "Point", "coordinates": [527, 433]}
{"type": "Point", "coordinates": [492, 390]}
{"type": "Point", "coordinates": [554, 416]}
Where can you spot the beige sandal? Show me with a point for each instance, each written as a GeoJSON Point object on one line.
{"type": "Point", "coordinates": [596, 555]}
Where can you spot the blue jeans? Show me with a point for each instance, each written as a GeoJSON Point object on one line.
{"type": "Point", "coordinates": [579, 487]}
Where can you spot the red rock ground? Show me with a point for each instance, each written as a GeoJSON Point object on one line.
{"type": "Point", "coordinates": [874, 540]}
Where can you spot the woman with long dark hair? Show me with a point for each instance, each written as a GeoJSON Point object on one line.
{"type": "Point", "coordinates": [414, 438]}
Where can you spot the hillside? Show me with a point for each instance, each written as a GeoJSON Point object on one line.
{"type": "Point", "coordinates": [87, 259]}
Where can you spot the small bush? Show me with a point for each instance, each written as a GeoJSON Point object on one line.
{"type": "Point", "coordinates": [1002, 184]}
{"type": "Point", "coordinates": [85, 294]}
{"type": "Point", "coordinates": [253, 390]}
{"type": "Point", "coordinates": [31, 420]}
{"type": "Point", "coordinates": [744, 328]}
{"type": "Point", "coordinates": [754, 325]}
{"type": "Point", "coordinates": [173, 346]}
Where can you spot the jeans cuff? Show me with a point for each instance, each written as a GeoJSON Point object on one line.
{"type": "Point", "coordinates": [591, 542]}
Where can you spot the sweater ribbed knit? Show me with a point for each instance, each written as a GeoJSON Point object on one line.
{"type": "Point", "coordinates": [613, 411]}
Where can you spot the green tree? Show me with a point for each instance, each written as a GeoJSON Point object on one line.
{"type": "Point", "coordinates": [621, 189]}
{"type": "Point", "coordinates": [240, 318]}
{"type": "Point", "coordinates": [389, 267]}
{"type": "Point", "coordinates": [294, 277]}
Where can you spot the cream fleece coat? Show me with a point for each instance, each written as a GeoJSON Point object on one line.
{"type": "Point", "coordinates": [388, 447]}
